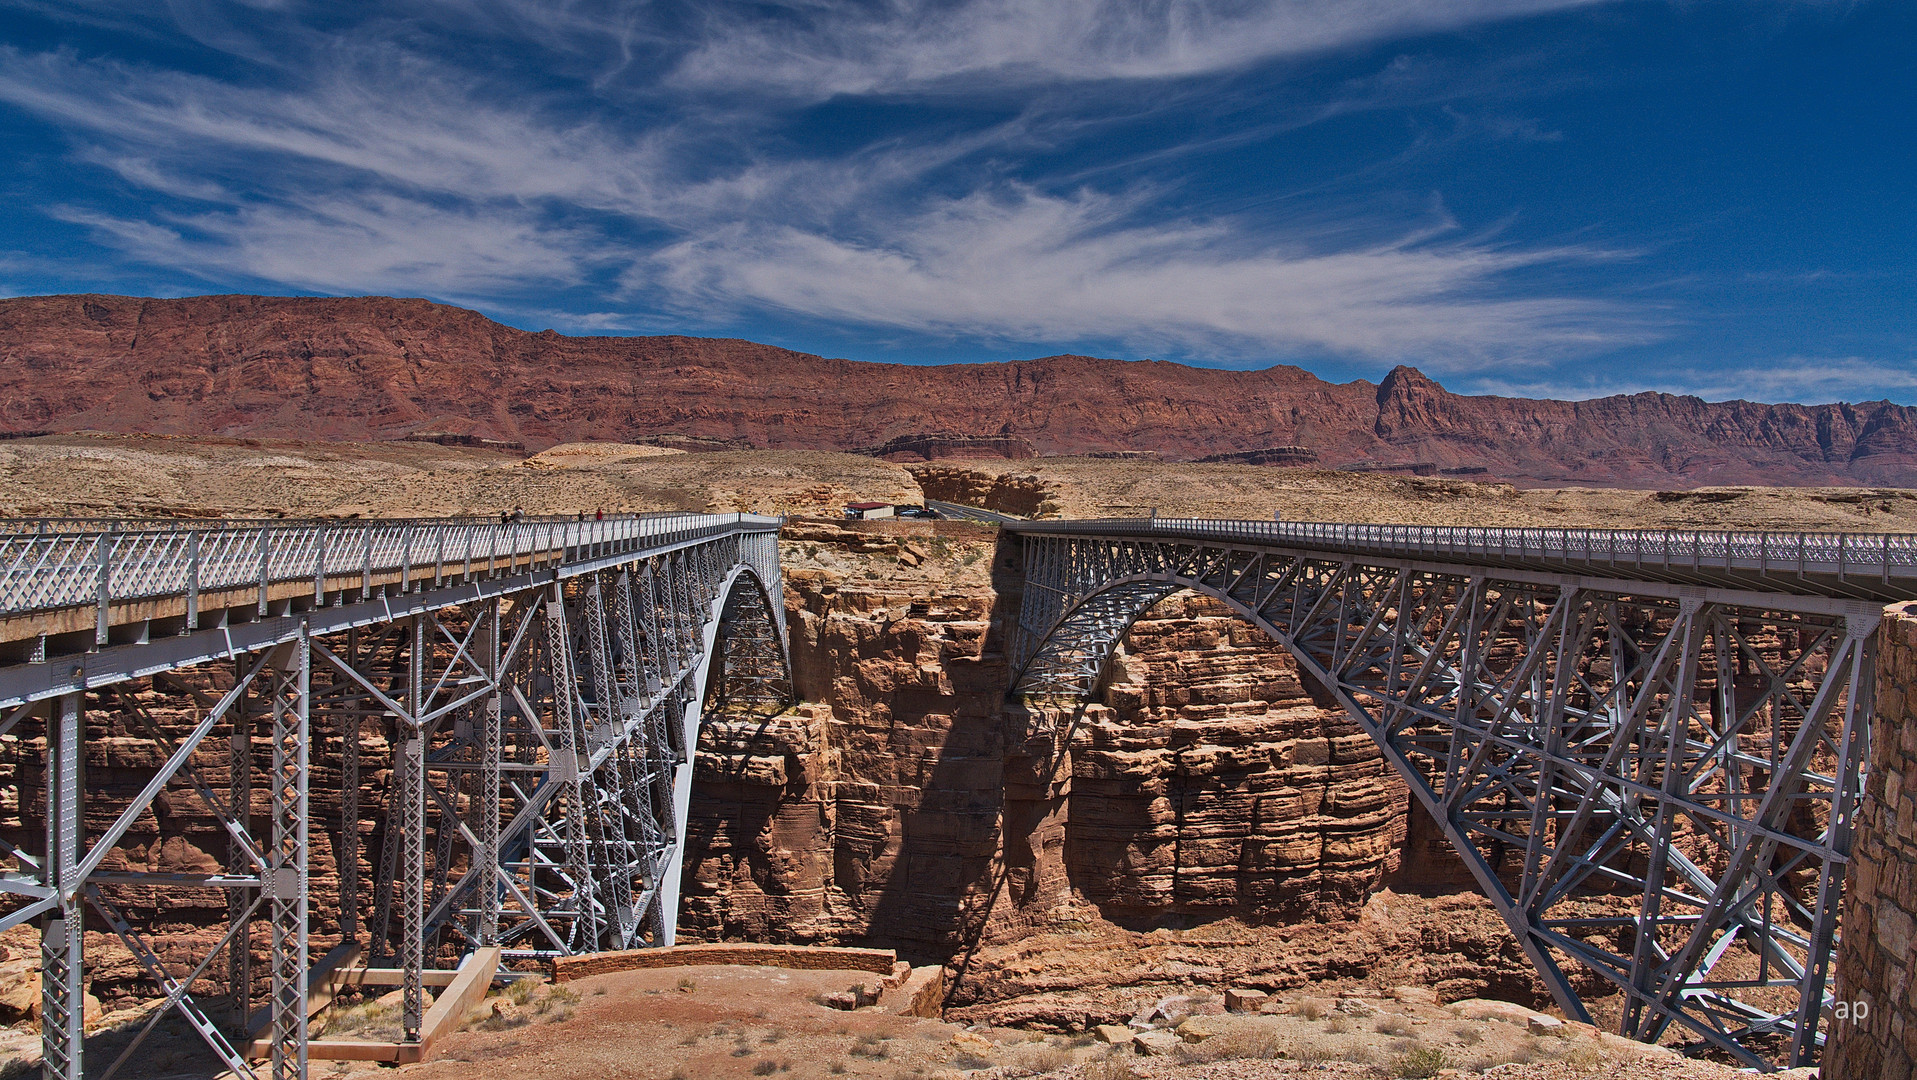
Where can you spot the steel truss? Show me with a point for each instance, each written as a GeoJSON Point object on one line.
{"type": "Point", "coordinates": [538, 729]}
{"type": "Point", "coordinates": [1656, 781]}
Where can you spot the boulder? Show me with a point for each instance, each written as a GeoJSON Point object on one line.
{"type": "Point", "coordinates": [1155, 1043]}
{"type": "Point", "coordinates": [1198, 1029]}
{"type": "Point", "coordinates": [1541, 1024]}
{"type": "Point", "coordinates": [973, 1041]}
{"type": "Point", "coordinates": [1245, 1001]}
{"type": "Point", "coordinates": [1113, 1034]}
{"type": "Point", "coordinates": [1490, 1009]}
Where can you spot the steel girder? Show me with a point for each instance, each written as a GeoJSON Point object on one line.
{"type": "Point", "coordinates": [1658, 787]}
{"type": "Point", "coordinates": [539, 743]}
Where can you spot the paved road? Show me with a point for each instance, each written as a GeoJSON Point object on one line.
{"type": "Point", "coordinates": [969, 513]}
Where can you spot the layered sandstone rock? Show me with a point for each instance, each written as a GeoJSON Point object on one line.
{"type": "Point", "coordinates": [1212, 781]}
{"type": "Point", "coordinates": [1207, 781]}
{"type": "Point", "coordinates": [1022, 496]}
{"type": "Point", "coordinates": [252, 365]}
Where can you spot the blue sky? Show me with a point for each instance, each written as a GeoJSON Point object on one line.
{"type": "Point", "coordinates": [1546, 197]}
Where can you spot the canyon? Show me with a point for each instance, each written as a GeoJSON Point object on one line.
{"type": "Point", "coordinates": [1207, 821]}
{"type": "Point", "coordinates": [375, 368]}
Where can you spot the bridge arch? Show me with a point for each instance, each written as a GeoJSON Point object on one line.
{"type": "Point", "coordinates": [1651, 779]}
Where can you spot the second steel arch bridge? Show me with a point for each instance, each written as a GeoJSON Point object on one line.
{"type": "Point", "coordinates": [1644, 745]}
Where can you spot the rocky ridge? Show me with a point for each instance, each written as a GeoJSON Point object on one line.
{"type": "Point", "coordinates": [374, 368]}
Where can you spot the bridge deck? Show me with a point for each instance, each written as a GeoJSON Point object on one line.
{"type": "Point", "coordinates": [73, 587]}
{"type": "Point", "coordinates": [1859, 566]}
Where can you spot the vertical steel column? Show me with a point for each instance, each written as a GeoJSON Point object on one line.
{"type": "Point", "coordinates": [62, 983]}
{"type": "Point", "coordinates": [411, 767]}
{"type": "Point", "coordinates": [239, 956]}
{"type": "Point", "coordinates": [568, 765]}
{"type": "Point", "coordinates": [287, 859]}
{"type": "Point", "coordinates": [348, 857]}
{"type": "Point", "coordinates": [486, 880]}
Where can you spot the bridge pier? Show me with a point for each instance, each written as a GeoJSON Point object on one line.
{"type": "Point", "coordinates": [1872, 1014]}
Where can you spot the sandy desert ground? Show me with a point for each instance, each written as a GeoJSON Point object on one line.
{"type": "Point", "coordinates": [120, 475]}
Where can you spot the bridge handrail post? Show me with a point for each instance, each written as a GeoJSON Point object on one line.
{"type": "Point", "coordinates": [104, 585]}
{"type": "Point", "coordinates": [319, 565]}
{"type": "Point", "coordinates": [192, 581]}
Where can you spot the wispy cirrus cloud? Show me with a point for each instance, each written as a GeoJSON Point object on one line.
{"type": "Point", "coordinates": [1034, 267]}
{"type": "Point", "coordinates": [685, 160]}
{"type": "Point", "coordinates": [1806, 379]}
{"type": "Point", "coordinates": [818, 49]}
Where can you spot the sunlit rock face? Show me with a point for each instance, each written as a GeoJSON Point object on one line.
{"type": "Point", "coordinates": [912, 804]}
{"type": "Point", "coordinates": [1210, 779]}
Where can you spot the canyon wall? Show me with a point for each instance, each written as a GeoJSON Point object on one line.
{"type": "Point", "coordinates": [912, 805]}
{"type": "Point", "coordinates": [374, 368]}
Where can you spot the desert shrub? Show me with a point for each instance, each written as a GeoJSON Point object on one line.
{"type": "Point", "coordinates": [765, 1068]}
{"type": "Point", "coordinates": [968, 1061]}
{"type": "Point", "coordinates": [1312, 1008]}
{"type": "Point", "coordinates": [1468, 1034]}
{"type": "Point", "coordinates": [366, 1018]}
{"type": "Point", "coordinates": [685, 985]}
{"type": "Point", "coordinates": [1236, 1046]}
{"type": "Point", "coordinates": [870, 1046]}
{"type": "Point", "coordinates": [1338, 1024]}
{"type": "Point", "coordinates": [520, 991]}
{"type": "Point", "coordinates": [1582, 1054]}
{"type": "Point", "coordinates": [1420, 1064]}
{"type": "Point", "coordinates": [1046, 1059]}
{"type": "Point", "coordinates": [1393, 1024]}
{"type": "Point", "coordinates": [1109, 1067]}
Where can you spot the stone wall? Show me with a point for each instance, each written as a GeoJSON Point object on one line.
{"type": "Point", "coordinates": [1875, 965]}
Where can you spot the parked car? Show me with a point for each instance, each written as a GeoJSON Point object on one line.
{"type": "Point", "coordinates": [922, 512]}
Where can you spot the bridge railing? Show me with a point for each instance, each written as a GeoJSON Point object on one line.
{"type": "Point", "coordinates": [49, 564]}
{"type": "Point", "coordinates": [1883, 556]}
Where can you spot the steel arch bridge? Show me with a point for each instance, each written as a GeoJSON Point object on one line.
{"type": "Point", "coordinates": [1644, 745]}
{"type": "Point", "coordinates": [533, 689]}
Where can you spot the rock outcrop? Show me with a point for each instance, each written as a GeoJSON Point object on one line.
{"type": "Point", "coordinates": [379, 368]}
{"type": "Point", "coordinates": [932, 447]}
{"type": "Point", "coordinates": [1211, 781]}
{"type": "Point", "coordinates": [1020, 496]}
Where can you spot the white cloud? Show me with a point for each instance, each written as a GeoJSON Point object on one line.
{"type": "Point", "coordinates": [379, 244]}
{"type": "Point", "coordinates": [1031, 267]}
{"type": "Point", "coordinates": [824, 47]}
{"type": "Point", "coordinates": [365, 164]}
{"type": "Point", "coordinates": [1805, 379]}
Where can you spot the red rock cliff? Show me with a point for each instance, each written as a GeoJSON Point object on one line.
{"type": "Point", "coordinates": [379, 368]}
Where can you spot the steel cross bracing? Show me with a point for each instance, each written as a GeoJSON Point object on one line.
{"type": "Point", "coordinates": [533, 690]}
{"type": "Point", "coordinates": [1655, 781]}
